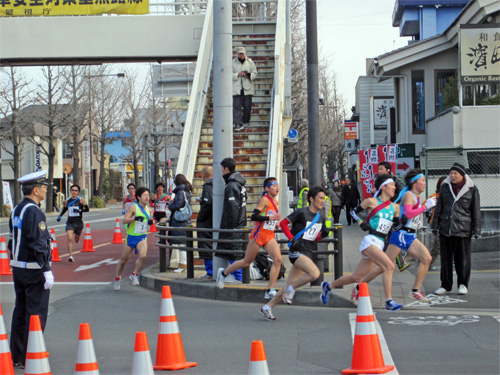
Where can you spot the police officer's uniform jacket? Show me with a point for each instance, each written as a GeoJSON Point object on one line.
{"type": "Point", "coordinates": [30, 239]}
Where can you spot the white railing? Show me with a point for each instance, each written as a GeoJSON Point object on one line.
{"type": "Point", "coordinates": [197, 103]}
{"type": "Point", "coordinates": [275, 149]}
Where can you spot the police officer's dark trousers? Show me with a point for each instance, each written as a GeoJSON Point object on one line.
{"type": "Point", "coordinates": [31, 299]}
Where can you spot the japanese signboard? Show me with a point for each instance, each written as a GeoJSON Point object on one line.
{"type": "Point", "coordinates": [7, 197]}
{"type": "Point", "coordinates": [388, 153]}
{"type": "Point", "coordinates": [381, 108]}
{"type": "Point", "coordinates": [369, 159]}
{"type": "Point", "coordinates": [16, 8]}
{"type": "Point", "coordinates": [86, 157]}
{"type": "Point", "coordinates": [480, 54]}
{"type": "Point", "coordinates": [351, 130]}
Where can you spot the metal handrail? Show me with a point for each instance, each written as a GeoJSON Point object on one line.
{"type": "Point", "coordinates": [163, 245]}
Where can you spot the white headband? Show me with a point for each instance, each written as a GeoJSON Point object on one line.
{"type": "Point", "coordinates": [380, 188]}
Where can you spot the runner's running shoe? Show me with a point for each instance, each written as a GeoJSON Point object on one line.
{"type": "Point", "coordinates": [221, 279]}
{"type": "Point", "coordinates": [135, 280]}
{"type": "Point", "coordinates": [355, 295]}
{"type": "Point", "coordinates": [288, 295]}
{"type": "Point", "coordinates": [71, 259]}
{"type": "Point", "coordinates": [325, 291]}
{"type": "Point", "coordinates": [419, 296]}
{"type": "Point", "coordinates": [268, 313]}
{"type": "Point", "coordinates": [116, 285]}
{"type": "Point", "coordinates": [270, 293]}
{"type": "Point", "coordinates": [392, 306]}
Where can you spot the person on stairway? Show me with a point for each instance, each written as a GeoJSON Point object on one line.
{"type": "Point", "coordinates": [244, 74]}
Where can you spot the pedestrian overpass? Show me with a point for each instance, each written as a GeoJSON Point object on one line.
{"type": "Point", "coordinates": [180, 33]}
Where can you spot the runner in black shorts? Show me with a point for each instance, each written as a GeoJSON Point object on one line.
{"type": "Point", "coordinates": [74, 226]}
{"type": "Point", "coordinates": [308, 227]}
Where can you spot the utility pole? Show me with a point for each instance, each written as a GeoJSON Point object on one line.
{"type": "Point", "coordinates": [223, 108]}
{"type": "Point", "coordinates": [314, 147]}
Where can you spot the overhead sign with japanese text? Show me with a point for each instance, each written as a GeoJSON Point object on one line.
{"type": "Point", "coordinates": [351, 130]}
{"type": "Point", "coordinates": [480, 54]}
{"type": "Point", "coordinates": [381, 108]}
{"type": "Point", "coordinates": [15, 8]}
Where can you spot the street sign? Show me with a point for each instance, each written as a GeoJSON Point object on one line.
{"type": "Point", "coordinates": [292, 133]}
{"type": "Point", "coordinates": [351, 130]}
{"type": "Point", "coordinates": [406, 158]}
{"type": "Point", "coordinates": [350, 145]}
{"type": "Point", "coordinates": [293, 140]}
{"type": "Point", "coordinates": [67, 168]}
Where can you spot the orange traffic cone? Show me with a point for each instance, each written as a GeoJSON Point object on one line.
{"type": "Point", "coordinates": [4, 259]}
{"type": "Point", "coordinates": [86, 362]}
{"type": "Point", "coordinates": [37, 358]}
{"type": "Point", "coordinates": [117, 235]}
{"type": "Point", "coordinates": [141, 363]}
{"type": "Point", "coordinates": [55, 251]}
{"type": "Point", "coordinates": [153, 228]}
{"type": "Point", "coordinates": [87, 240]}
{"type": "Point", "coordinates": [367, 354]}
{"type": "Point", "coordinates": [258, 361]}
{"type": "Point", "coordinates": [169, 350]}
{"type": "Point", "coordinates": [6, 366]}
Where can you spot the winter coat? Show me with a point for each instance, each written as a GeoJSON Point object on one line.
{"type": "Point", "coordinates": [244, 83]}
{"type": "Point", "coordinates": [350, 195]}
{"type": "Point", "coordinates": [176, 205]}
{"type": "Point", "coordinates": [458, 216]}
{"type": "Point", "coordinates": [336, 196]}
{"type": "Point", "coordinates": [204, 219]}
{"type": "Point", "coordinates": [234, 213]}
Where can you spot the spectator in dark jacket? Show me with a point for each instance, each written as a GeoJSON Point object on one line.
{"type": "Point", "coordinates": [350, 198]}
{"type": "Point", "coordinates": [182, 193]}
{"type": "Point", "coordinates": [234, 211]}
{"type": "Point", "coordinates": [204, 219]}
{"type": "Point", "coordinates": [457, 217]}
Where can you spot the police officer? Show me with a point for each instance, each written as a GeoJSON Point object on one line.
{"type": "Point", "coordinates": [29, 244]}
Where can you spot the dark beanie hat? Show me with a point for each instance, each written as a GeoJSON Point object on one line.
{"type": "Point", "coordinates": [459, 168]}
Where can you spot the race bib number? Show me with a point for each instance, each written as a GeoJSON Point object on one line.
{"type": "Point", "coordinates": [384, 225]}
{"type": "Point", "coordinates": [312, 233]}
{"type": "Point", "coordinates": [270, 225]}
{"type": "Point", "coordinates": [414, 223]}
{"type": "Point", "coordinates": [74, 211]}
{"type": "Point", "coordinates": [161, 206]}
{"type": "Point", "coordinates": [141, 227]}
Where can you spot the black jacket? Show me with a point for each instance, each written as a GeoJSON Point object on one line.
{"type": "Point", "coordinates": [176, 205]}
{"type": "Point", "coordinates": [234, 212]}
{"type": "Point", "coordinates": [458, 216]}
{"type": "Point", "coordinates": [350, 195]}
{"type": "Point", "coordinates": [204, 219]}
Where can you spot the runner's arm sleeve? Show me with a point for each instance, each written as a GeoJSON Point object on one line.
{"type": "Point", "coordinates": [85, 208]}
{"type": "Point", "coordinates": [356, 211]}
{"type": "Point", "coordinates": [410, 212]}
{"type": "Point", "coordinates": [284, 227]}
{"type": "Point", "coordinates": [256, 216]}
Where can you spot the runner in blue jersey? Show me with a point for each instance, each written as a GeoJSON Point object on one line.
{"type": "Point", "coordinates": [381, 213]}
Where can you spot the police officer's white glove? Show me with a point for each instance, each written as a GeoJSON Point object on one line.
{"type": "Point", "coordinates": [431, 202]}
{"type": "Point", "coordinates": [49, 279]}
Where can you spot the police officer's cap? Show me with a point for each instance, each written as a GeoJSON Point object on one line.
{"type": "Point", "coordinates": [35, 178]}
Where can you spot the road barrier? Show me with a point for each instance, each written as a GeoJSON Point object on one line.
{"type": "Point", "coordinates": [163, 238]}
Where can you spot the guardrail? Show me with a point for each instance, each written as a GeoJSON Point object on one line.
{"type": "Point", "coordinates": [163, 245]}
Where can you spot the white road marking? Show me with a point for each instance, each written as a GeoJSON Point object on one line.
{"type": "Point", "coordinates": [97, 264]}
{"type": "Point", "coordinates": [383, 344]}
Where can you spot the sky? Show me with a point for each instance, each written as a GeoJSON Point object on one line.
{"type": "Point", "coordinates": [351, 31]}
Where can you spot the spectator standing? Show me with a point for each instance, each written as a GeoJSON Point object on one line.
{"type": "Point", "coordinates": [54, 199]}
{"type": "Point", "coordinates": [182, 196]}
{"type": "Point", "coordinates": [304, 189]}
{"type": "Point", "coordinates": [244, 73]}
{"type": "Point", "coordinates": [350, 199]}
{"type": "Point", "coordinates": [336, 197]}
{"type": "Point", "coordinates": [205, 219]}
{"type": "Point", "coordinates": [29, 246]}
{"type": "Point", "coordinates": [457, 218]}
{"type": "Point", "coordinates": [234, 211]}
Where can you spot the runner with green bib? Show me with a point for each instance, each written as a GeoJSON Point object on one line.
{"type": "Point", "coordinates": [138, 219]}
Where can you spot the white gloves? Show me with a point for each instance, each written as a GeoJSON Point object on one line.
{"type": "Point", "coordinates": [431, 202]}
{"type": "Point", "coordinates": [49, 279]}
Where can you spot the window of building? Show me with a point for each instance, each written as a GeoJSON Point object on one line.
{"type": "Point", "coordinates": [417, 102]}
{"type": "Point", "coordinates": [475, 95]}
{"type": "Point", "coordinates": [441, 80]}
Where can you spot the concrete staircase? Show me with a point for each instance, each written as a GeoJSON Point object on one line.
{"type": "Point", "coordinates": [250, 145]}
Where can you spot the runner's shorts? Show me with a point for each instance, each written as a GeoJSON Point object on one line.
{"type": "Point", "coordinates": [133, 241]}
{"type": "Point", "coordinates": [76, 227]}
{"type": "Point", "coordinates": [368, 241]}
{"type": "Point", "coordinates": [402, 239]}
{"type": "Point", "coordinates": [294, 255]}
{"type": "Point", "coordinates": [262, 237]}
